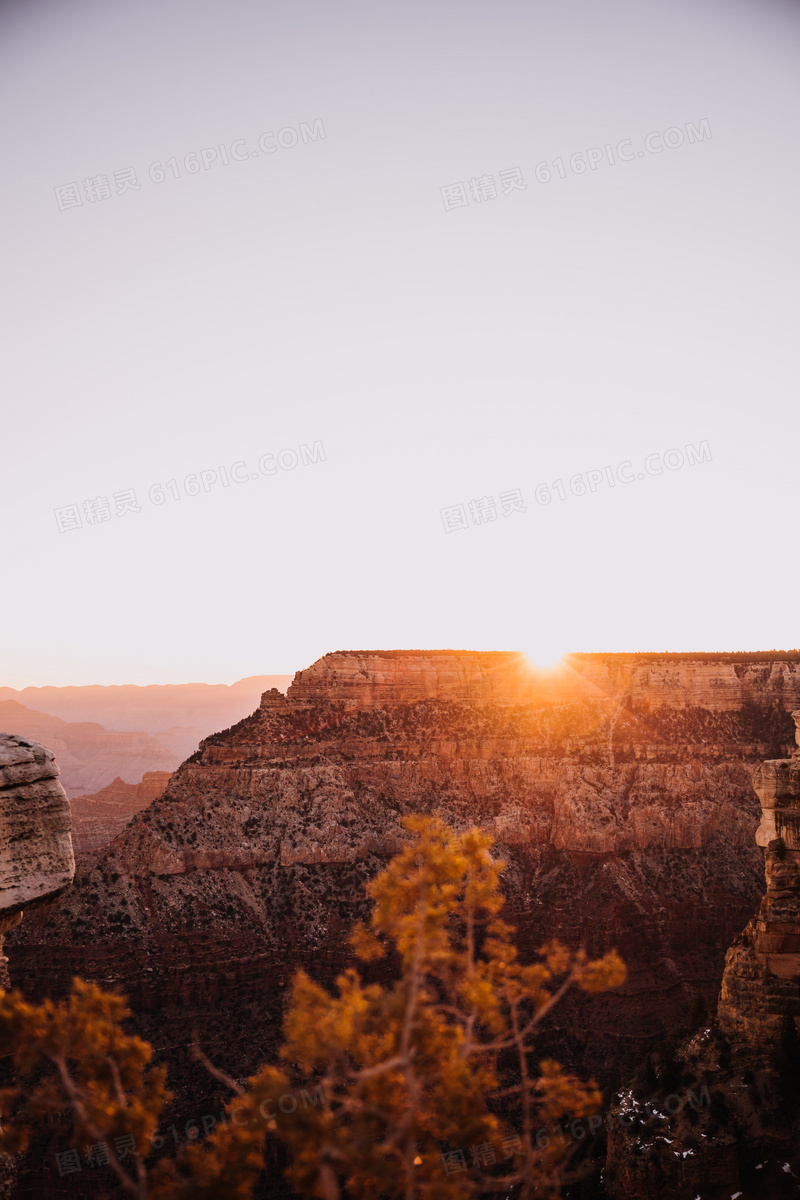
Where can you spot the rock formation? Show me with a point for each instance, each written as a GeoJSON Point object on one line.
{"type": "Point", "coordinates": [717, 683]}
{"type": "Point", "coordinates": [97, 819]}
{"type": "Point", "coordinates": [747, 1141]}
{"type": "Point", "coordinates": [762, 971]}
{"type": "Point", "coordinates": [618, 788]}
{"type": "Point", "coordinates": [36, 861]}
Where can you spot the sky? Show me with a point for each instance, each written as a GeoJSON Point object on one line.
{"type": "Point", "coordinates": [392, 326]}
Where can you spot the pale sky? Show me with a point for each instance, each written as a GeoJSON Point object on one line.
{"type": "Point", "coordinates": [443, 348]}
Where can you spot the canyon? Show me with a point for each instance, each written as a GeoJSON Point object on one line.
{"type": "Point", "coordinates": [101, 733]}
{"type": "Point", "coordinates": [89, 756]}
{"type": "Point", "coordinates": [739, 1135]}
{"type": "Point", "coordinates": [97, 819]}
{"type": "Point", "coordinates": [178, 715]}
{"type": "Point", "coordinates": [619, 789]}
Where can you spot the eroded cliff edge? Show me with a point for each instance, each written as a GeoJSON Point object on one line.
{"type": "Point", "coordinates": [744, 1139]}
{"type": "Point", "coordinates": [36, 859]}
{"type": "Point", "coordinates": [619, 791]}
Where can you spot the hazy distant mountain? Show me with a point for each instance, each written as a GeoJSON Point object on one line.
{"type": "Point", "coordinates": [101, 733]}
{"type": "Point", "coordinates": [203, 707]}
{"type": "Point", "coordinates": [89, 756]}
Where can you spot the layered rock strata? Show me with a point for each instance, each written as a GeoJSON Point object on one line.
{"type": "Point", "coordinates": [622, 804]}
{"type": "Point", "coordinates": [724, 683]}
{"type": "Point", "coordinates": [761, 983]}
{"type": "Point", "coordinates": [36, 860]}
{"type": "Point", "coordinates": [745, 1140]}
{"type": "Point", "coordinates": [97, 819]}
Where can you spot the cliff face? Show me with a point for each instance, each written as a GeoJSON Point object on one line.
{"type": "Point", "coordinates": [36, 860]}
{"type": "Point", "coordinates": [747, 1141]}
{"type": "Point", "coordinates": [761, 982]}
{"type": "Point", "coordinates": [97, 819]}
{"type": "Point", "coordinates": [369, 679]}
{"type": "Point", "coordinates": [619, 792]}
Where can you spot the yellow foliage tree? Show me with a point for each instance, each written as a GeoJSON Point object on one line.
{"type": "Point", "coordinates": [411, 1072]}
{"type": "Point", "coordinates": [99, 1072]}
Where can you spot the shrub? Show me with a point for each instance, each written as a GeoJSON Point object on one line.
{"type": "Point", "coordinates": [410, 1071]}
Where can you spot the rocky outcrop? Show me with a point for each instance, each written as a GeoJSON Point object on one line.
{"type": "Point", "coordinates": [97, 819]}
{"type": "Point", "coordinates": [747, 1140]}
{"type": "Point", "coordinates": [761, 983]}
{"type": "Point", "coordinates": [623, 807]}
{"type": "Point", "coordinates": [36, 859]}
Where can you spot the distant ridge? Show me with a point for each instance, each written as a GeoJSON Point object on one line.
{"type": "Point", "coordinates": [89, 756]}
{"type": "Point", "coordinates": [100, 732]}
{"type": "Point", "coordinates": [153, 708]}
{"type": "Point", "coordinates": [601, 655]}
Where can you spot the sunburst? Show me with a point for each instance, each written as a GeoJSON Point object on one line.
{"type": "Point", "coordinates": [545, 654]}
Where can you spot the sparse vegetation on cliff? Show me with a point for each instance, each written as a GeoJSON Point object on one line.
{"type": "Point", "coordinates": [430, 1085]}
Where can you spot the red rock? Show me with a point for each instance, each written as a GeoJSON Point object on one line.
{"type": "Point", "coordinates": [620, 794]}
{"type": "Point", "coordinates": [97, 819]}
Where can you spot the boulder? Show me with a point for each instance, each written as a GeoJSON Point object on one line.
{"type": "Point", "coordinates": [36, 858]}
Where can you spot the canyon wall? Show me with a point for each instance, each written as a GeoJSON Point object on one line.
{"type": "Point", "coordinates": [97, 819]}
{"type": "Point", "coordinates": [761, 982]}
{"type": "Point", "coordinates": [618, 788]}
{"type": "Point", "coordinates": [727, 683]}
{"type": "Point", "coordinates": [742, 1137]}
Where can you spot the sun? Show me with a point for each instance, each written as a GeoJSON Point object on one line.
{"type": "Point", "coordinates": [545, 655]}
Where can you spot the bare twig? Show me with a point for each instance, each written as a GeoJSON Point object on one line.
{"type": "Point", "coordinates": [200, 1057]}
{"type": "Point", "coordinates": [77, 1099]}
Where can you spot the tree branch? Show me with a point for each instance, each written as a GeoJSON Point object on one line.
{"type": "Point", "coordinates": [76, 1098]}
{"type": "Point", "coordinates": [200, 1057]}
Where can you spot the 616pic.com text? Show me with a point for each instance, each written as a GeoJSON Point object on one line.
{"type": "Point", "coordinates": [96, 510]}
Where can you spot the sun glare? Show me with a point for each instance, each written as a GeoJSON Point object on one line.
{"type": "Point", "coordinates": [545, 656]}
